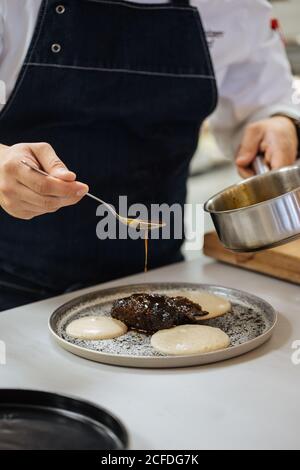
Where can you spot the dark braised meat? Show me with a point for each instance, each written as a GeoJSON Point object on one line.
{"type": "Point", "coordinates": [153, 312]}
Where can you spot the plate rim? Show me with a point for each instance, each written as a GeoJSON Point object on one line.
{"type": "Point", "coordinates": [21, 394]}
{"type": "Point", "coordinates": [166, 358]}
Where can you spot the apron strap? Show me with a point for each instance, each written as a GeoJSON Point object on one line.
{"type": "Point", "coordinates": [181, 3]}
{"type": "Point", "coordinates": [173, 2]}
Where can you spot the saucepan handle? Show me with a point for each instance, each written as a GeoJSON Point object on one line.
{"type": "Point", "coordinates": [259, 166]}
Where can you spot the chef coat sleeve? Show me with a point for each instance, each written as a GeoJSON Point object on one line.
{"type": "Point", "coordinates": [1, 31]}
{"type": "Point", "coordinates": [2, 84]}
{"type": "Point", "coordinates": [258, 86]}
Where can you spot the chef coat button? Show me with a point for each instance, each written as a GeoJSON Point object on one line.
{"type": "Point", "coordinates": [56, 48]}
{"type": "Point", "coordinates": [60, 9]}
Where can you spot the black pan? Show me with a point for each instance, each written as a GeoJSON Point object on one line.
{"type": "Point", "coordinates": [34, 420]}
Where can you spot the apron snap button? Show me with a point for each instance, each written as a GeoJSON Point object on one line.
{"type": "Point", "coordinates": [56, 48]}
{"type": "Point", "coordinates": [60, 9]}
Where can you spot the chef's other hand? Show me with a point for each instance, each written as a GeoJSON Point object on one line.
{"type": "Point", "coordinates": [275, 137]}
{"type": "Point", "coordinates": [24, 193]}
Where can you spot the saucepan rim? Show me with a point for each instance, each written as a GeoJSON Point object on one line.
{"type": "Point", "coordinates": [246, 181]}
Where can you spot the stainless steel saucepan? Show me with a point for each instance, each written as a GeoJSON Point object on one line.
{"type": "Point", "coordinates": [260, 212]}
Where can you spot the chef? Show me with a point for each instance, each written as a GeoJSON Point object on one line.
{"type": "Point", "coordinates": [113, 94]}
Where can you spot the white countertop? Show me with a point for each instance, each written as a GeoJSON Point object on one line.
{"type": "Point", "coordinates": [251, 402]}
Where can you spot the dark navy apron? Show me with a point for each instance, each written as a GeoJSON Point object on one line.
{"type": "Point", "coordinates": [120, 91]}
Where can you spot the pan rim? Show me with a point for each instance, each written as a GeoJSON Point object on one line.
{"type": "Point", "coordinates": [246, 181]}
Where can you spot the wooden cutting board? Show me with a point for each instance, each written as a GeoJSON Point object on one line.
{"type": "Point", "coordinates": [282, 262]}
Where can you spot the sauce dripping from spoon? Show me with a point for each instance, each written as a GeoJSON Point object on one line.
{"type": "Point", "coordinates": [144, 225]}
{"type": "Point", "coordinates": [146, 241]}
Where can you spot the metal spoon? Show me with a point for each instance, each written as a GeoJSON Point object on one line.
{"type": "Point", "coordinates": [142, 224]}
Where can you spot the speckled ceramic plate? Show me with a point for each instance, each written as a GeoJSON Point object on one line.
{"type": "Point", "coordinates": [249, 324]}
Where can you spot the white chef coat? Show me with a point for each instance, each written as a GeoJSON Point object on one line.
{"type": "Point", "coordinates": [253, 74]}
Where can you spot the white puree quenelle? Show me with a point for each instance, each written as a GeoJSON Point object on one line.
{"type": "Point", "coordinates": [95, 328]}
{"type": "Point", "coordinates": [189, 339]}
{"type": "Point", "coordinates": [215, 305]}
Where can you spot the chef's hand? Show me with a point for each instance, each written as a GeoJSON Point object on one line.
{"type": "Point", "coordinates": [26, 194]}
{"type": "Point", "coordinates": [275, 137]}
